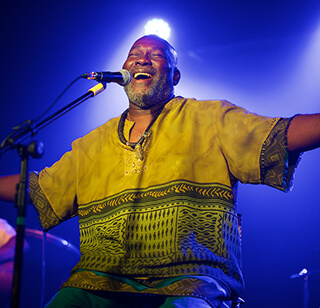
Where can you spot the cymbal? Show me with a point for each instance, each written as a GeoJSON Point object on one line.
{"type": "Point", "coordinates": [56, 240]}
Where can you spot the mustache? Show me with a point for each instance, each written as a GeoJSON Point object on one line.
{"type": "Point", "coordinates": [149, 70]}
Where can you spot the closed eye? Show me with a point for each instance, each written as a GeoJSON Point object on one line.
{"type": "Point", "coordinates": [136, 54]}
{"type": "Point", "coordinates": [157, 55]}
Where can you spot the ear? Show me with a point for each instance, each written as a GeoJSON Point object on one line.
{"type": "Point", "coordinates": [176, 76]}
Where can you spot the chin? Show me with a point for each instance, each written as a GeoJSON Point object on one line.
{"type": "Point", "coordinates": [147, 98]}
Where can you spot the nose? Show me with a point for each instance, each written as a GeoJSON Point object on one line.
{"type": "Point", "coordinates": [143, 60]}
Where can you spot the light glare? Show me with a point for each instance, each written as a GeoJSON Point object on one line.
{"type": "Point", "coordinates": [158, 27]}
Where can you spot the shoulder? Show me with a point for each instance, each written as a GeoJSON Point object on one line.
{"type": "Point", "coordinates": [98, 134]}
{"type": "Point", "coordinates": [200, 107]}
{"type": "Point", "coordinates": [196, 103]}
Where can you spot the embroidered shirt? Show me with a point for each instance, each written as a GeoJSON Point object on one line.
{"type": "Point", "coordinates": [171, 211]}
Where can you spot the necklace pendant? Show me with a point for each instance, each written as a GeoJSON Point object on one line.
{"type": "Point", "coordinates": [140, 153]}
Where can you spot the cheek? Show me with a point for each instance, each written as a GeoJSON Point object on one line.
{"type": "Point", "coordinates": [166, 70]}
{"type": "Point", "coordinates": [163, 69]}
{"type": "Point", "coordinates": [126, 65]}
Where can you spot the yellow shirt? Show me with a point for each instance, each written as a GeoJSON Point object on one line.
{"type": "Point", "coordinates": [167, 209]}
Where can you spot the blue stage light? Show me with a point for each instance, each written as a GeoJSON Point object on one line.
{"type": "Point", "coordinates": [158, 27]}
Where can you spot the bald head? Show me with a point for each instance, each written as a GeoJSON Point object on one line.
{"type": "Point", "coordinates": [171, 52]}
{"type": "Point", "coordinates": [152, 62]}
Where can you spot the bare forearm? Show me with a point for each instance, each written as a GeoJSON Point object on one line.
{"type": "Point", "coordinates": [304, 132]}
{"type": "Point", "coordinates": [8, 185]}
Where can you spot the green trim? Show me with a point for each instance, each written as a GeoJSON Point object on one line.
{"type": "Point", "coordinates": [138, 286]}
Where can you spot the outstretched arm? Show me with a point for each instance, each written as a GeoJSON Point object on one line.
{"type": "Point", "coordinates": [8, 185]}
{"type": "Point", "coordinates": [304, 132]}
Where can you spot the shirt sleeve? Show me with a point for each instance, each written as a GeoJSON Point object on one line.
{"type": "Point", "coordinates": [277, 163]}
{"type": "Point", "coordinates": [46, 214]}
{"type": "Point", "coordinates": [53, 191]}
{"type": "Point", "coordinates": [255, 147]}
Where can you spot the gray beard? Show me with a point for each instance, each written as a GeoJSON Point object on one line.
{"type": "Point", "coordinates": [160, 91]}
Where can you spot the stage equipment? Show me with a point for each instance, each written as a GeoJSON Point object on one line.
{"type": "Point", "coordinates": [20, 139]}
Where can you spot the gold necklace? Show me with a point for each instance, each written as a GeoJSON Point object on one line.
{"type": "Point", "coordinates": [140, 134]}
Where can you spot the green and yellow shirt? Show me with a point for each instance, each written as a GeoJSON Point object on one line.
{"type": "Point", "coordinates": [166, 209]}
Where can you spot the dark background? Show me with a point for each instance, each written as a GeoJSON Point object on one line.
{"type": "Point", "coordinates": [262, 55]}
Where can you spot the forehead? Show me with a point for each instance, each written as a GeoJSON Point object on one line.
{"type": "Point", "coordinates": [150, 43]}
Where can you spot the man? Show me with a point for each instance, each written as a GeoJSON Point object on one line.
{"type": "Point", "coordinates": [7, 248]}
{"type": "Point", "coordinates": [154, 191]}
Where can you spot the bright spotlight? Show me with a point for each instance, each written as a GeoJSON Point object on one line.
{"type": "Point", "coordinates": [158, 27]}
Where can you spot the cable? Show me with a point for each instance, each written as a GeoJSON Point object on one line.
{"type": "Point", "coordinates": [56, 100]}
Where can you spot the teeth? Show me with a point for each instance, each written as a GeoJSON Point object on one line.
{"type": "Point", "coordinates": [142, 75]}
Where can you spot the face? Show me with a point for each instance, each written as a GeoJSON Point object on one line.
{"type": "Point", "coordinates": [151, 63]}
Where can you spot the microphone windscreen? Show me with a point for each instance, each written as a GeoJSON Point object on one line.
{"type": "Point", "coordinates": [126, 77]}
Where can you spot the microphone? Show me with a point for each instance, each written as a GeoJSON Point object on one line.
{"type": "Point", "coordinates": [123, 77]}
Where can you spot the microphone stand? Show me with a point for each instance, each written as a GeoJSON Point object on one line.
{"type": "Point", "coordinates": [19, 139]}
{"type": "Point", "coordinates": [305, 274]}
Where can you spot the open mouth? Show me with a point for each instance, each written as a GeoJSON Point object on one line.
{"type": "Point", "coordinates": [142, 76]}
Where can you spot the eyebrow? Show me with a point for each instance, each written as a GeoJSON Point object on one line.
{"type": "Point", "coordinates": [152, 48]}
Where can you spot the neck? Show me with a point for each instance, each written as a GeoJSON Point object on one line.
{"type": "Point", "coordinates": [142, 119]}
{"type": "Point", "coordinates": [137, 114]}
